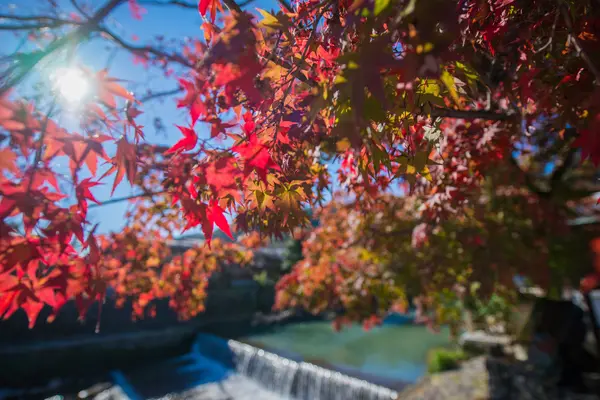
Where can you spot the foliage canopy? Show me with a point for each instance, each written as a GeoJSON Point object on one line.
{"type": "Point", "coordinates": [484, 114]}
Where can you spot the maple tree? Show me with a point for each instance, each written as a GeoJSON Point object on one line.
{"type": "Point", "coordinates": [447, 102]}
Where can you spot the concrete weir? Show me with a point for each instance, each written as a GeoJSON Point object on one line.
{"type": "Point", "coordinates": [220, 369]}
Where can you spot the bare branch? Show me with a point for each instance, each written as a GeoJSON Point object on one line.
{"type": "Point", "coordinates": [26, 27]}
{"type": "Point", "coordinates": [580, 52]}
{"type": "Point", "coordinates": [78, 8]}
{"type": "Point", "coordinates": [179, 3]}
{"type": "Point", "coordinates": [285, 4]}
{"type": "Point", "coordinates": [71, 38]}
{"type": "Point", "coordinates": [121, 199]}
{"type": "Point", "coordinates": [470, 114]}
{"type": "Point", "coordinates": [156, 95]}
{"type": "Point", "coordinates": [232, 5]}
{"type": "Point", "coordinates": [146, 49]}
{"type": "Point", "coordinates": [36, 18]}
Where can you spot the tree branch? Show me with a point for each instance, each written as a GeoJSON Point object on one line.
{"type": "Point", "coordinates": [146, 49]}
{"type": "Point", "coordinates": [528, 181]}
{"type": "Point", "coordinates": [232, 5]}
{"type": "Point", "coordinates": [285, 4]}
{"type": "Point", "coordinates": [580, 52]}
{"type": "Point", "coordinates": [25, 27]}
{"type": "Point", "coordinates": [470, 114]}
{"type": "Point", "coordinates": [179, 3]}
{"type": "Point", "coordinates": [37, 18]}
{"type": "Point", "coordinates": [86, 28]}
{"type": "Point", "coordinates": [559, 172]}
{"type": "Point", "coordinates": [121, 199]}
{"type": "Point", "coordinates": [153, 96]}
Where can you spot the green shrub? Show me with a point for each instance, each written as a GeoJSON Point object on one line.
{"type": "Point", "coordinates": [443, 359]}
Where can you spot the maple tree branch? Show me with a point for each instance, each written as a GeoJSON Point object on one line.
{"type": "Point", "coordinates": [72, 37]}
{"type": "Point", "coordinates": [40, 149]}
{"type": "Point", "coordinates": [25, 27]}
{"type": "Point", "coordinates": [121, 199]}
{"type": "Point", "coordinates": [580, 51]}
{"type": "Point", "coordinates": [179, 3]}
{"type": "Point", "coordinates": [528, 181]}
{"type": "Point", "coordinates": [560, 171]}
{"type": "Point", "coordinates": [153, 96]}
{"type": "Point", "coordinates": [78, 8]}
{"type": "Point", "coordinates": [285, 4]}
{"type": "Point", "coordinates": [145, 49]}
{"type": "Point", "coordinates": [232, 5]}
{"type": "Point", "coordinates": [470, 114]}
{"type": "Point", "coordinates": [37, 18]}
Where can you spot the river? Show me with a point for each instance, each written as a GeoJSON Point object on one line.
{"type": "Point", "coordinates": [393, 351]}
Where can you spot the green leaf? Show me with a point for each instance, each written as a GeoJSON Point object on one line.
{"type": "Point", "coordinates": [380, 156]}
{"type": "Point", "coordinates": [380, 6]}
{"type": "Point", "coordinates": [373, 110]}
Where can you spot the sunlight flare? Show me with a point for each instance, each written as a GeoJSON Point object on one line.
{"type": "Point", "coordinates": [72, 84]}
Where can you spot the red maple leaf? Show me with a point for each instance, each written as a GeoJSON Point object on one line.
{"type": "Point", "coordinates": [221, 174]}
{"type": "Point", "coordinates": [108, 89]}
{"type": "Point", "coordinates": [125, 162]}
{"type": "Point", "coordinates": [79, 149]}
{"type": "Point", "coordinates": [83, 193]}
{"type": "Point", "coordinates": [198, 108]}
{"type": "Point", "coordinates": [203, 6]}
{"type": "Point", "coordinates": [187, 143]}
{"type": "Point", "coordinates": [215, 216]}
{"type": "Point", "coordinates": [256, 157]}
{"type": "Point", "coordinates": [190, 93]}
{"type": "Point", "coordinates": [8, 161]}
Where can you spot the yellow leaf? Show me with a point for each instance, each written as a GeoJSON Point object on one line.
{"type": "Point", "coordinates": [448, 80]}
{"type": "Point", "coordinates": [340, 79]}
{"type": "Point", "coordinates": [274, 72]}
{"type": "Point", "coordinates": [426, 174]}
{"type": "Point", "coordinates": [269, 20]}
{"type": "Point", "coordinates": [343, 145]}
{"type": "Point", "coordinates": [279, 22]}
{"type": "Point", "coordinates": [352, 65]}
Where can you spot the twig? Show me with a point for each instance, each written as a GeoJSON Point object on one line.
{"type": "Point", "coordinates": [82, 31]}
{"type": "Point", "coordinates": [549, 43]}
{"type": "Point", "coordinates": [40, 149]}
{"type": "Point", "coordinates": [285, 4]}
{"type": "Point", "coordinates": [146, 49]}
{"type": "Point", "coordinates": [37, 18]}
{"type": "Point", "coordinates": [156, 95]}
{"type": "Point", "coordinates": [233, 5]}
{"type": "Point", "coordinates": [179, 3]}
{"type": "Point", "coordinates": [470, 114]}
{"type": "Point", "coordinates": [78, 8]}
{"type": "Point", "coordinates": [120, 199]}
{"type": "Point", "coordinates": [580, 51]}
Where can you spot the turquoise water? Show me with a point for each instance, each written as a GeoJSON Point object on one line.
{"type": "Point", "coordinates": [396, 352]}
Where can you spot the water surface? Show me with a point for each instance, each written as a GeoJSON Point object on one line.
{"type": "Point", "coordinates": [396, 352]}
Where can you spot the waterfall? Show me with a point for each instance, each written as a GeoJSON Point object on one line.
{"type": "Point", "coordinates": [301, 380]}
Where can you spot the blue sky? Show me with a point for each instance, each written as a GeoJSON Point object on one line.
{"type": "Point", "coordinates": [171, 22]}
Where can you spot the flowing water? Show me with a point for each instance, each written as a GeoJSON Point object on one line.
{"type": "Point", "coordinates": [301, 380]}
{"type": "Point", "coordinates": [391, 351]}
{"type": "Point", "coordinates": [282, 365]}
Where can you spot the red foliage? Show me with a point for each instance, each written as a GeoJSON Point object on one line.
{"type": "Point", "coordinates": [430, 96]}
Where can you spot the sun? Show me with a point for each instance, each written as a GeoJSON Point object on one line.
{"type": "Point", "coordinates": [72, 84]}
